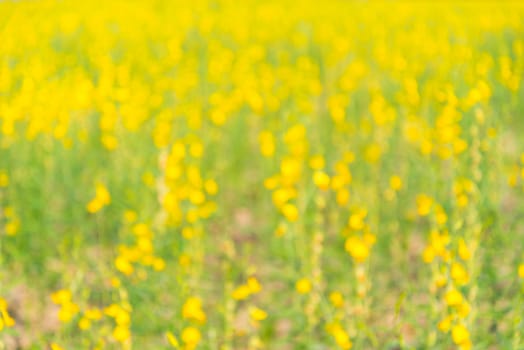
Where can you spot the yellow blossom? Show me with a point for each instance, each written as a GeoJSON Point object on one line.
{"type": "Point", "coordinates": [12, 227]}
{"type": "Point", "coordinates": [5, 319]}
{"type": "Point", "coordinates": [241, 292]}
{"type": "Point", "coordinates": [342, 197]}
{"type": "Point", "coordinates": [67, 311]}
{"type": "Point", "coordinates": [4, 179]}
{"type": "Point", "coordinates": [192, 309]}
{"type": "Point", "coordinates": [84, 323]}
{"type": "Point", "coordinates": [453, 297]}
{"type": "Point", "coordinates": [191, 337]}
{"type": "Point", "coordinates": [267, 143]}
{"type": "Point", "coordinates": [459, 273]}
{"type": "Point", "coordinates": [463, 250]}
{"type": "Point", "coordinates": [123, 265]}
{"type": "Point", "coordinates": [173, 341]}
{"type": "Point", "coordinates": [356, 220]}
{"type": "Point", "coordinates": [460, 334]}
{"type": "Point", "coordinates": [317, 162]}
{"type": "Point", "coordinates": [102, 198]}
{"type": "Point", "coordinates": [336, 299]}
{"type": "Point", "coordinates": [357, 248]}
{"type": "Point", "coordinates": [321, 180]}
{"type": "Point", "coordinates": [303, 286]}
{"type": "Point", "coordinates": [121, 334]}
{"type": "Point", "coordinates": [395, 182]}
{"type": "Point", "coordinates": [340, 336]}
{"type": "Point", "coordinates": [253, 285]}
{"type": "Point", "coordinates": [290, 212]}
{"type": "Point", "coordinates": [257, 314]}
{"type": "Point", "coordinates": [93, 314]}
{"type": "Point", "coordinates": [445, 324]}
{"type": "Point", "coordinates": [61, 297]}
{"type": "Point", "coordinates": [424, 204]}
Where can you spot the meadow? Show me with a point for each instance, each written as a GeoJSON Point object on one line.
{"type": "Point", "coordinates": [215, 174]}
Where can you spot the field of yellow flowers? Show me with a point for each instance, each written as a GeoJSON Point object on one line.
{"type": "Point", "coordinates": [219, 174]}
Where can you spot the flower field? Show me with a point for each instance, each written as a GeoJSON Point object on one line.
{"type": "Point", "coordinates": [261, 175]}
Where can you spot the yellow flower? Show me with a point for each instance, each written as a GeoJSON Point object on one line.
{"type": "Point", "coordinates": [282, 195]}
{"type": "Point", "coordinates": [290, 212]}
{"type": "Point", "coordinates": [445, 324]}
{"type": "Point", "coordinates": [173, 341]}
{"type": "Point", "coordinates": [357, 248]}
{"type": "Point", "coordinates": [196, 149]}
{"type": "Point", "coordinates": [338, 181]}
{"type": "Point", "coordinates": [463, 250]}
{"type": "Point", "coordinates": [188, 232]}
{"type": "Point", "coordinates": [93, 314]}
{"type": "Point", "coordinates": [4, 179]}
{"type": "Point", "coordinates": [373, 153]}
{"type": "Point", "coordinates": [241, 292]}
{"type": "Point", "coordinates": [460, 334]}
{"type": "Point", "coordinates": [395, 182]}
{"type": "Point", "coordinates": [211, 187]}
{"type": "Point", "coordinates": [11, 228]}
{"type": "Point", "coordinates": [61, 297]}
{"type": "Point", "coordinates": [428, 255]}
{"type": "Point", "coordinates": [253, 285]}
{"type": "Point", "coordinates": [459, 273]}
{"type": "Point", "coordinates": [342, 339]}
{"type": "Point", "coordinates": [462, 200]}
{"type": "Point", "coordinates": [424, 204]}
{"type": "Point", "coordinates": [440, 280]}
{"type": "Point", "coordinates": [142, 230]}
{"type": "Point", "coordinates": [340, 335]}
{"type": "Point", "coordinates": [267, 143]}
{"type": "Point", "coordinates": [342, 197]}
{"type": "Point", "coordinates": [521, 271]}
{"type": "Point", "coordinates": [178, 150]}
{"type": "Point", "coordinates": [9, 212]}
{"type": "Point", "coordinates": [321, 180]}
{"type": "Point", "coordinates": [192, 309]}
{"type": "Point", "coordinates": [67, 311]}
{"type": "Point", "coordinates": [102, 198]}
{"type": "Point", "coordinates": [467, 345]}
{"type": "Point", "coordinates": [159, 264]}
{"type": "Point", "coordinates": [317, 162]}
{"type": "Point", "coordinates": [84, 323]}
{"type": "Point", "coordinates": [191, 337]}
{"type": "Point", "coordinates": [440, 215]}
{"type": "Point", "coordinates": [453, 297]}
{"type": "Point", "coordinates": [184, 260]}
{"type": "Point", "coordinates": [356, 220]}
{"type": "Point", "coordinates": [303, 286]}
{"type": "Point", "coordinates": [110, 142]}
{"type": "Point", "coordinates": [369, 238]}
{"type": "Point", "coordinates": [290, 169]}
{"type": "Point", "coordinates": [55, 346]}
{"type": "Point", "coordinates": [123, 265]}
{"type": "Point", "coordinates": [271, 183]}
{"type": "Point", "coordinates": [336, 299]}
{"type": "Point", "coordinates": [121, 333]}
{"type": "Point", "coordinates": [463, 309]}
{"type": "Point", "coordinates": [5, 319]}
{"type": "Point", "coordinates": [122, 317]}
{"type": "Point", "coordinates": [257, 314]}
